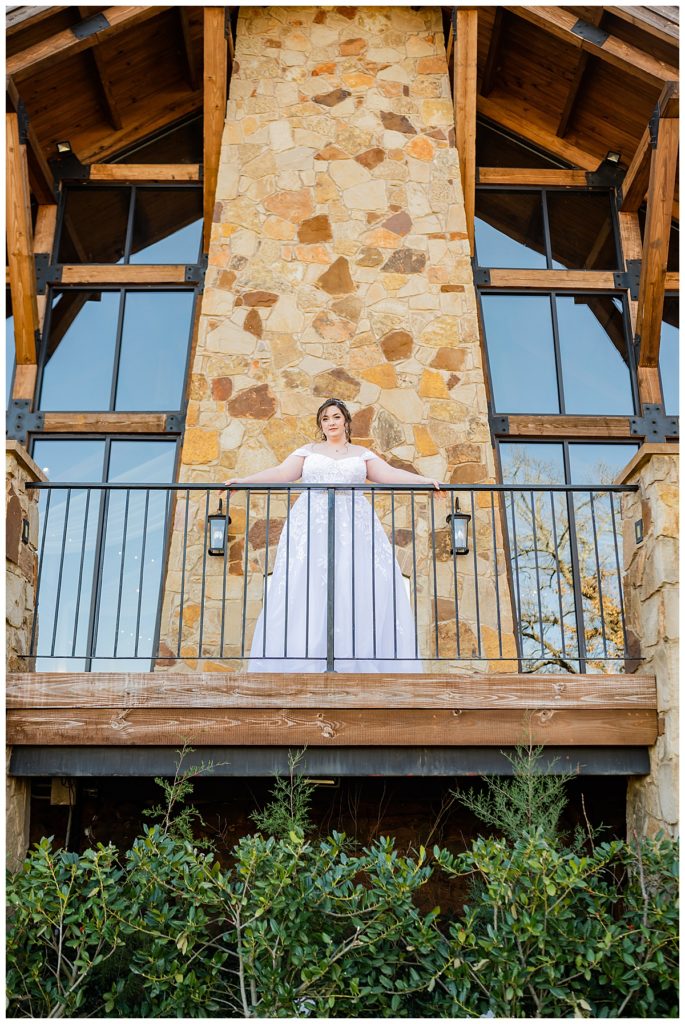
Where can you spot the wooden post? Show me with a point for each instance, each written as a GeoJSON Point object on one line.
{"type": "Point", "coordinates": [465, 92]}
{"type": "Point", "coordinates": [655, 247]}
{"type": "Point", "coordinates": [20, 247]}
{"type": "Point", "coordinates": [215, 96]}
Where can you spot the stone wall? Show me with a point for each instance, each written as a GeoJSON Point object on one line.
{"type": "Point", "coordinates": [651, 609]}
{"type": "Point", "coordinates": [338, 266]}
{"type": "Point", "coordinates": [21, 566]}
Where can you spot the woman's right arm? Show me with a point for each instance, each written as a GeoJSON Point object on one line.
{"type": "Point", "coordinates": [288, 471]}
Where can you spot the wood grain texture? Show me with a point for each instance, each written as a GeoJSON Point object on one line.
{"type": "Point", "coordinates": [144, 172]}
{"type": "Point", "coordinates": [570, 427]}
{"type": "Point", "coordinates": [326, 690]}
{"type": "Point", "coordinates": [215, 98]}
{"type": "Point", "coordinates": [24, 384]}
{"type": "Point", "coordinates": [631, 244]}
{"type": "Point", "coordinates": [43, 241]}
{"type": "Point", "coordinates": [338, 727]}
{"type": "Point", "coordinates": [560, 279]}
{"type": "Point", "coordinates": [103, 422]}
{"type": "Point", "coordinates": [629, 59]}
{"type": "Point", "coordinates": [92, 273]}
{"type": "Point", "coordinates": [65, 44]}
{"type": "Point", "coordinates": [636, 181]}
{"type": "Point", "coordinates": [530, 176]}
{"type": "Point", "coordinates": [20, 246]}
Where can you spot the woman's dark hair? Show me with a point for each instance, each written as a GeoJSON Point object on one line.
{"type": "Point", "coordinates": [339, 404]}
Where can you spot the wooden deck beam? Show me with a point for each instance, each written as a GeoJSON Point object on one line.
{"type": "Point", "coordinates": [465, 92]}
{"type": "Point", "coordinates": [216, 58]}
{"type": "Point", "coordinates": [20, 246]}
{"type": "Point", "coordinates": [163, 709]}
{"type": "Point", "coordinates": [65, 44]}
{"type": "Point", "coordinates": [627, 58]}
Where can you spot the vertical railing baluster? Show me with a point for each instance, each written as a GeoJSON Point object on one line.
{"type": "Point", "coordinates": [265, 602]}
{"type": "Point", "coordinates": [354, 609]}
{"type": "Point", "coordinates": [558, 565]}
{"type": "Point", "coordinates": [454, 576]}
{"type": "Point", "coordinates": [576, 577]}
{"type": "Point", "coordinates": [330, 581]}
{"type": "Point", "coordinates": [435, 576]}
{"type": "Point", "coordinates": [287, 573]}
{"type": "Point", "coordinates": [203, 588]}
{"type": "Point", "coordinates": [373, 567]}
{"type": "Point", "coordinates": [80, 572]}
{"type": "Point", "coordinates": [309, 567]}
{"type": "Point", "coordinates": [537, 574]}
{"type": "Point", "coordinates": [225, 572]}
{"type": "Point", "coordinates": [39, 577]}
{"type": "Point", "coordinates": [183, 571]}
{"type": "Point", "coordinates": [416, 588]}
{"type": "Point", "coordinates": [619, 570]}
{"type": "Point", "coordinates": [142, 569]}
{"type": "Point", "coordinates": [59, 575]}
{"type": "Point", "coordinates": [245, 565]}
{"type": "Point", "coordinates": [496, 571]}
{"type": "Point", "coordinates": [519, 608]}
{"type": "Point", "coordinates": [392, 569]}
{"type": "Point", "coordinates": [121, 571]}
{"type": "Point", "coordinates": [599, 575]}
{"type": "Point", "coordinates": [475, 573]}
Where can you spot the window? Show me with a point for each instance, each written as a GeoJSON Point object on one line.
{"type": "Point", "coordinates": [669, 363]}
{"type": "Point", "coordinates": [86, 610]}
{"type": "Point", "coordinates": [9, 349]}
{"type": "Point", "coordinates": [558, 353]}
{"type": "Point", "coordinates": [122, 350]}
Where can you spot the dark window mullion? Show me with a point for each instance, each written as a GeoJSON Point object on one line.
{"type": "Point", "coordinates": [615, 227]}
{"type": "Point", "coordinates": [129, 225]}
{"type": "Point", "coordinates": [117, 350]}
{"type": "Point", "coordinates": [557, 353]}
{"type": "Point", "coordinates": [545, 227]}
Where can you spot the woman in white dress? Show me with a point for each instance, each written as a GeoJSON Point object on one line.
{"type": "Point", "coordinates": [374, 629]}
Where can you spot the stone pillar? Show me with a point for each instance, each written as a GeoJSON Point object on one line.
{"type": "Point", "coordinates": [21, 510]}
{"type": "Point", "coordinates": [339, 267]}
{"type": "Point", "coordinates": [651, 609]}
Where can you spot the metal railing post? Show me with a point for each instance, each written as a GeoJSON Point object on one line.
{"type": "Point", "coordinates": [330, 580]}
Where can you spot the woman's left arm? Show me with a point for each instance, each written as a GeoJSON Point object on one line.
{"type": "Point", "coordinates": [379, 472]}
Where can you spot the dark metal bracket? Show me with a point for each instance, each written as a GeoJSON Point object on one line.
{"type": "Point", "coordinates": [481, 277]}
{"type": "Point", "coordinates": [175, 423]}
{"type": "Point", "coordinates": [42, 260]}
{"type": "Point", "coordinates": [69, 168]}
{"type": "Point", "coordinates": [22, 123]}
{"type": "Point", "coordinates": [592, 33]}
{"type": "Point", "coordinates": [21, 421]}
{"type": "Point", "coordinates": [499, 425]}
{"type": "Point", "coordinates": [654, 127]}
{"type": "Point", "coordinates": [195, 272]}
{"type": "Point", "coordinates": [630, 277]}
{"type": "Point", "coordinates": [654, 425]}
{"type": "Point", "coordinates": [89, 27]}
{"type": "Point", "coordinates": [607, 175]}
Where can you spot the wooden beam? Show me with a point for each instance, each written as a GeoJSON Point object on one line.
{"type": "Point", "coordinates": [631, 245]}
{"type": "Point", "coordinates": [65, 44]}
{"type": "Point", "coordinates": [492, 59]}
{"type": "Point", "coordinates": [95, 146]}
{"type": "Point", "coordinates": [465, 92]}
{"type": "Point", "coordinates": [20, 246]}
{"type": "Point", "coordinates": [110, 274]}
{"type": "Point", "coordinates": [41, 179]}
{"type": "Point", "coordinates": [104, 422]}
{"type": "Point", "coordinates": [530, 176]}
{"type": "Point", "coordinates": [163, 689]}
{"type": "Point", "coordinates": [653, 20]}
{"type": "Point", "coordinates": [24, 383]}
{"type": "Point", "coordinates": [655, 246]}
{"type": "Point", "coordinates": [43, 242]}
{"type": "Point", "coordinates": [672, 280]}
{"type": "Point", "coordinates": [627, 58]}
{"type": "Point", "coordinates": [104, 86]}
{"type": "Point", "coordinates": [339, 727]}
{"type": "Point", "coordinates": [568, 280]}
{"type": "Point", "coordinates": [215, 97]}
{"type": "Point", "coordinates": [19, 18]}
{"type": "Point", "coordinates": [190, 62]}
{"type": "Point", "coordinates": [594, 17]}
{"type": "Point", "coordinates": [144, 172]}
{"type": "Point", "coordinates": [581, 428]}
{"type": "Point", "coordinates": [649, 385]}
{"type": "Point", "coordinates": [523, 122]}
{"type": "Point", "coordinates": [636, 181]}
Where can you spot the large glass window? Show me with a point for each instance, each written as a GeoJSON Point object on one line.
{"type": "Point", "coordinates": [558, 353]}
{"type": "Point", "coordinates": [86, 615]}
{"type": "Point", "coordinates": [669, 361]}
{"type": "Point", "coordinates": [124, 350]}
{"type": "Point", "coordinates": [131, 224]}
{"type": "Point", "coordinates": [554, 229]}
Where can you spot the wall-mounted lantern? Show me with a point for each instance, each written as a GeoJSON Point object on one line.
{"type": "Point", "coordinates": [218, 528]}
{"type": "Point", "coordinates": [459, 523]}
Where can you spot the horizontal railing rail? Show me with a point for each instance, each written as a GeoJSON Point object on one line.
{"type": "Point", "coordinates": [329, 577]}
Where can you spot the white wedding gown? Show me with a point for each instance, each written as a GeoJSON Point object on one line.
{"type": "Point", "coordinates": [369, 588]}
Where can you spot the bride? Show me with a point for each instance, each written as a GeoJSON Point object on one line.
{"type": "Point", "coordinates": [373, 620]}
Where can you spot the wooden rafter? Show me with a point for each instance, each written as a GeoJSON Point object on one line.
{"type": "Point", "coordinates": [652, 20]}
{"type": "Point", "coordinates": [655, 246]}
{"type": "Point", "coordinates": [104, 87]}
{"type": "Point", "coordinates": [635, 183]}
{"type": "Point", "coordinates": [629, 59]}
{"type": "Point", "coordinates": [20, 246]}
{"type": "Point", "coordinates": [216, 65]}
{"type": "Point", "coordinates": [465, 92]}
{"type": "Point", "coordinates": [492, 59]}
{"type": "Point", "coordinates": [522, 124]}
{"type": "Point", "coordinates": [187, 51]}
{"type": "Point", "coordinates": [594, 17]}
{"type": "Point", "coordinates": [65, 44]}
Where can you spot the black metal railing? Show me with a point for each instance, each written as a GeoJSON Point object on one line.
{"type": "Point", "coordinates": [329, 577]}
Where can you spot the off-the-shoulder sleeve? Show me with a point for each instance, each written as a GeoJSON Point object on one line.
{"type": "Point", "coordinates": [304, 451]}
{"type": "Point", "coordinates": [367, 456]}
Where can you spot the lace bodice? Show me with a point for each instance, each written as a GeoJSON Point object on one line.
{"type": "Point", "coordinates": [322, 469]}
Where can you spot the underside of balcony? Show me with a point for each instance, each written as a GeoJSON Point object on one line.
{"type": "Point", "coordinates": [395, 724]}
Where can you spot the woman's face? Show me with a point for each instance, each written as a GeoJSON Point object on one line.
{"type": "Point", "coordinates": [333, 423]}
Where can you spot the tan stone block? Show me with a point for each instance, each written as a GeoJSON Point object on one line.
{"type": "Point", "coordinates": [441, 332]}
{"type": "Point", "coordinates": [357, 80]}
{"type": "Point", "coordinates": [337, 279]}
{"type": "Point", "coordinates": [253, 403]}
{"type": "Point", "coordinates": [370, 195]}
{"type": "Point", "coordinates": [325, 189]}
{"type": "Point", "coordinates": [285, 316]}
{"type": "Point", "coordinates": [336, 383]}
{"type": "Point", "coordinates": [383, 374]}
{"type": "Point", "coordinates": [332, 328]}
{"type": "Point", "coordinates": [404, 404]}
{"type": "Point", "coordinates": [420, 148]}
{"type": "Point", "coordinates": [312, 254]}
{"type": "Point", "coordinates": [332, 153]}
{"type": "Point", "coordinates": [382, 238]}
{"type": "Point", "coordinates": [276, 227]}
{"type": "Point", "coordinates": [295, 205]}
{"type": "Point", "coordinates": [352, 47]}
{"type": "Point", "coordinates": [432, 66]}
{"type": "Point", "coordinates": [200, 446]}
{"type": "Point", "coordinates": [433, 385]}
{"type": "Point", "coordinates": [425, 445]}
{"type": "Point", "coordinates": [417, 46]}
{"type": "Point", "coordinates": [394, 282]}
{"type": "Point", "coordinates": [348, 173]}
{"type": "Point", "coordinates": [316, 229]}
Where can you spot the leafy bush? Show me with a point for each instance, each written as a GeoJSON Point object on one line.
{"type": "Point", "coordinates": [301, 925]}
